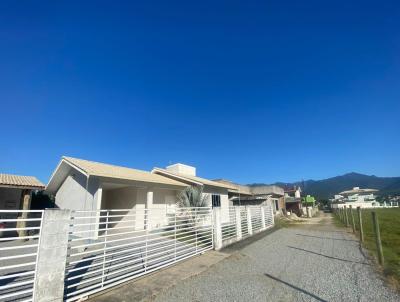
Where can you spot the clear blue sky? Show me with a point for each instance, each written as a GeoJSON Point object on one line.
{"type": "Point", "coordinates": [248, 91]}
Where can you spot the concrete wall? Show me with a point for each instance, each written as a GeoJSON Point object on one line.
{"type": "Point", "coordinates": [72, 193]}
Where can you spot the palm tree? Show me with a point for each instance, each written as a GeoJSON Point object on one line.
{"type": "Point", "coordinates": [192, 197]}
{"type": "Point", "coordinates": [191, 201]}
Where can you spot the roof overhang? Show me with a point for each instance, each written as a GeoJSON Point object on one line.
{"type": "Point", "coordinates": [23, 187]}
{"type": "Point", "coordinates": [175, 176]}
{"type": "Point", "coordinates": [64, 167]}
{"type": "Point", "coordinates": [193, 180]}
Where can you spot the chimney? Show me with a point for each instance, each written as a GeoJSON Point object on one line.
{"type": "Point", "coordinates": [182, 169]}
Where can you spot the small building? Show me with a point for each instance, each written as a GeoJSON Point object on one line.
{"type": "Point", "coordinates": [16, 194]}
{"type": "Point", "coordinates": [16, 191]}
{"type": "Point", "coordinates": [293, 200]}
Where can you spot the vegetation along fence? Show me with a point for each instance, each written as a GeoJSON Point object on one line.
{"type": "Point", "coordinates": [377, 231]}
{"type": "Point", "coordinates": [69, 255]}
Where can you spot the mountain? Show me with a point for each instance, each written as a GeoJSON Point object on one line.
{"type": "Point", "coordinates": [327, 188]}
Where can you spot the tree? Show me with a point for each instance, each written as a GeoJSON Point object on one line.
{"type": "Point", "coordinates": [192, 197]}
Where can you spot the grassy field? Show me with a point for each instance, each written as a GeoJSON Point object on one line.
{"type": "Point", "coordinates": [389, 223]}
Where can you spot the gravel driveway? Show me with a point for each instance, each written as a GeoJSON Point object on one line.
{"type": "Point", "coordinates": [314, 262]}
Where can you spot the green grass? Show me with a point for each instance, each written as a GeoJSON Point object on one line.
{"type": "Point", "coordinates": [389, 224]}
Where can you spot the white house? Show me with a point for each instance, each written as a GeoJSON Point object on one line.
{"type": "Point", "coordinates": [356, 197]}
{"type": "Point", "coordinates": [83, 185]}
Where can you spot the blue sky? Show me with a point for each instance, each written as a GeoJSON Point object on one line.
{"type": "Point", "coordinates": [248, 91]}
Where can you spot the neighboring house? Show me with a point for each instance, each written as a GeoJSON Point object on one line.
{"type": "Point", "coordinates": [216, 192]}
{"type": "Point", "coordinates": [79, 185]}
{"type": "Point", "coordinates": [293, 200]}
{"type": "Point", "coordinates": [16, 191]}
{"type": "Point", "coordinates": [244, 195]}
{"type": "Point", "coordinates": [356, 197]}
{"type": "Point", "coordinates": [16, 194]}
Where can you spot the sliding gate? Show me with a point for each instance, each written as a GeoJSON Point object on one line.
{"type": "Point", "coordinates": [109, 247]}
{"type": "Point", "coordinates": [19, 242]}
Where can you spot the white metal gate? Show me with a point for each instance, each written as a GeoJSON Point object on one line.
{"type": "Point", "coordinates": [255, 212]}
{"type": "Point", "coordinates": [19, 241]}
{"type": "Point", "coordinates": [268, 216]}
{"type": "Point", "coordinates": [108, 247]}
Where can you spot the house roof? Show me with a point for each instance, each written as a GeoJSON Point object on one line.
{"type": "Point", "coordinates": [238, 189]}
{"type": "Point", "coordinates": [20, 181]}
{"type": "Point", "coordinates": [193, 179]}
{"type": "Point", "coordinates": [110, 171]}
{"type": "Point", "coordinates": [357, 191]}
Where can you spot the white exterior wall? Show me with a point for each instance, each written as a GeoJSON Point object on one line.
{"type": "Point", "coordinates": [72, 193]}
{"type": "Point", "coordinates": [134, 201]}
{"type": "Point", "coordinates": [224, 200]}
{"type": "Point", "coordinates": [363, 205]}
{"type": "Point", "coordinates": [361, 198]}
{"type": "Point", "coordinates": [182, 169]}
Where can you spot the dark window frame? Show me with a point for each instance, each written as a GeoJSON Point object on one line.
{"type": "Point", "coordinates": [216, 200]}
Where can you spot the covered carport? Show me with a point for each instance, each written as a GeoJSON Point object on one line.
{"type": "Point", "coordinates": [16, 194]}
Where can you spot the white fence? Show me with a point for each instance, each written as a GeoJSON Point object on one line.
{"type": "Point", "coordinates": [101, 249]}
{"type": "Point", "coordinates": [243, 221]}
{"type": "Point", "coordinates": [125, 248]}
{"type": "Point", "coordinates": [366, 205]}
{"type": "Point", "coordinates": [19, 241]}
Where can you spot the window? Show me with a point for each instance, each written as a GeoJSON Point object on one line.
{"type": "Point", "coordinates": [216, 200]}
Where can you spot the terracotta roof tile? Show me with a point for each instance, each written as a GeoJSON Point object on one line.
{"type": "Point", "coordinates": [20, 181]}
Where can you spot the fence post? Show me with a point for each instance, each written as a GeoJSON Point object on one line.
{"type": "Point", "coordinates": [346, 216]}
{"type": "Point", "coordinates": [52, 256]}
{"type": "Point", "coordinates": [361, 225]}
{"type": "Point", "coordinates": [104, 251]}
{"type": "Point", "coordinates": [217, 228]}
{"type": "Point", "coordinates": [352, 219]}
{"type": "Point", "coordinates": [195, 227]}
{"type": "Point", "coordinates": [238, 221]}
{"type": "Point", "coordinates": [249, 224]}
{"type": "Point", "coordinates": [309, 212]}
{"type": "Point", "coordinates": [175, 235]}
{"type": "Point", "coordinates": [377, 237]}
{"type": "Point", "coordinates": [272, 215]}
{"type": "Point", "coordinates": [262, 218]}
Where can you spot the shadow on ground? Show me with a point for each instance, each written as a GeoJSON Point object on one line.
{"type": "Point", "coordinates": [296, 288]}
